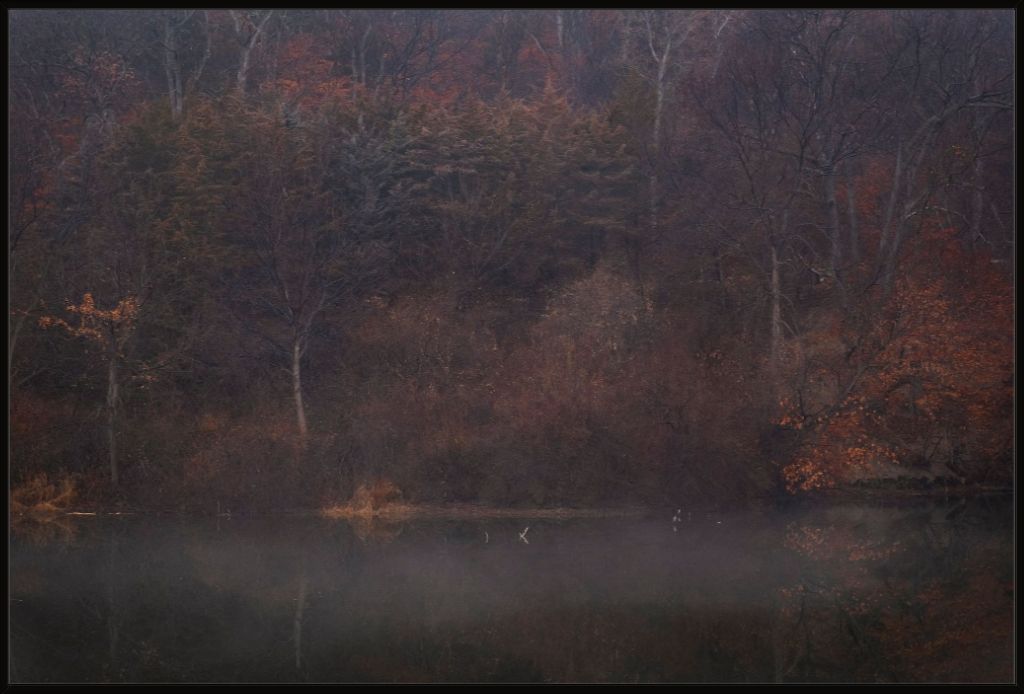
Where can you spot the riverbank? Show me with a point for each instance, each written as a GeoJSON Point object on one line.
{"type": "Point", "coordinates": [392, 508]}
{"type": "Point", "coordinates": [398, 512]}
{"type": "Point", "coordinates": [860, 492]}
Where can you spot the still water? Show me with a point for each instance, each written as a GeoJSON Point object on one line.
{"type": "Point", "coordinates": [908, 592]}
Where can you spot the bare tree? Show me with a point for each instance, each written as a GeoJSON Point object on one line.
{"type": "Point", "coordinates": [249, 28]}
{"type": "Point", "coordinates": [174, 23]}
{"type": "Point", "coordinates": [943, 69]}
{"type": "Point", "coordinates": [311, 227]}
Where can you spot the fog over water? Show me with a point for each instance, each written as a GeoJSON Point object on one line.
{"type": "Point", "coordinates": [850, 593]}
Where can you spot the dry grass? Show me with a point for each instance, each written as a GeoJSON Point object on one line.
{"type": "Point", "coordinates": [40, 496]}
{"type": "Point", "coordinates": [39, 506]}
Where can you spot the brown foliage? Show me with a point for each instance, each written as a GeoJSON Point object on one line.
{"type": "Point", "coordinates": [369, 500]}
{"type": "Point", "coordinates": [376, 494]}
{"type": "Point", "coordinates": [928, 378]}
{"type": "Point", "coordinates": [253, 462]}
{"type": "Point", "coordinates": [40, 494]}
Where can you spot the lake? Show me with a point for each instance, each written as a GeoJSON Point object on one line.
{"type": "Point", "coordinates": [872, 592]}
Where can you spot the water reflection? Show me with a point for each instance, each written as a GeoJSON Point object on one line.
{"type": "Point", "coordinates": [857, 593]}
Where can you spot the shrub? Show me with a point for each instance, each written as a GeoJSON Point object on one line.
{"type": "Point", "coordinates": [40, 494]}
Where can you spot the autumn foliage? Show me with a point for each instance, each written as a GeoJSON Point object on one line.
{"type": "Point", "coordinates": [522, 258]}
{"type": "Point", "coordinates": [41, 494]}
{"type": "Point", "coordinates": [931, 385]}
{"type": "Point", "coordinates": [108, 329]}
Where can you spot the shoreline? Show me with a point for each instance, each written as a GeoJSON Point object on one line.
{"type": "Point", "coordinates": [398, 512]}
{"type": "Point", "coordinates": [465, 511]}
{"type": "Point", "coordinates": [881, 493]}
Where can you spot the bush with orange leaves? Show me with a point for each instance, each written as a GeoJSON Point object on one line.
{"type": "Point", "coordinates": [928, 383]}
{"type": "Point", "coordinates": [369, 500]}
{"type": "Point", "coordinates": [41, 494]}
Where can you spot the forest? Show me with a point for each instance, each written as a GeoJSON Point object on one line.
{"type": "Point", "coordinates": [262, 259]}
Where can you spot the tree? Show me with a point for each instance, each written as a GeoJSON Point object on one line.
{"type": "Point", "coordinates": [761, 179]}
{"type": "Point", "coordinates": [928, 389]}
{"type": "Point", "coordinates": [306, 223]}
{"type": "Point", "coordinates": [944, 65]}
{"type": "Point", "coordinates": [65, 103]}
{"type": "Point", "coordinates": [110, 331]}
{"type": "Point", "coordinates": [129, 255]}
{"type": "Point", "coordinates": [174, 22]}
{"type": "Point", "coordinates": [249, 28]}
{"type": "Point", "coordinates": [521, 194]}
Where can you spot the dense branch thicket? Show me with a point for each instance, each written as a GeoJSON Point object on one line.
{"type": "Point", "coordinates": [513, 257]}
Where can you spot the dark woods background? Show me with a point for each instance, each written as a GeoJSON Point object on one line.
{"type": "Point", "coordinates": [514, 257]}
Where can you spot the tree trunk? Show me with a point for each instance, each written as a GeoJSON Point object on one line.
{"type": "Point", "coordinates": [977, 200]}
{"type": "Point", "coordinates": [832, 209]}
{"type": "Point", "coordinates": [172, 69]}
{"type": "Point", "coordinates": [112, 399]}
{"type": "Point", "coordinates": [979, 125]}
{"type": "Point", "coordinates": [207, 50]}
{"type": "Point", "coordinates": [247, 49]}
{"type": "Point", "coordinates": [898, 230]}
{"type": "Point", "coordinates": [653, 191]}
{"type": "Point", "coordinates": [300, 412]}
{"type": "Point", "coordinates": [656, 140]}
{"type": "Point", "coordinates": [362, 55]}
{"type": "Point", "coordinates": [902, 203]}
{"type": "Point", "coordinates": [355, 68]}
{"type": "Point", "coordinates": [851, 210]}
{"type": "Point", "coordinates": [243, 69]}
{"type": "Point", "coordinates": [566, 25]}
{"type": "Point", "coordinates": [776, 292]}
{"type": "Point", "coordinates": [890, 208]}
{"type": "Point", "coordinates": [634, 256]}
{"type": "Point", "coordinates": [12, 340]}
